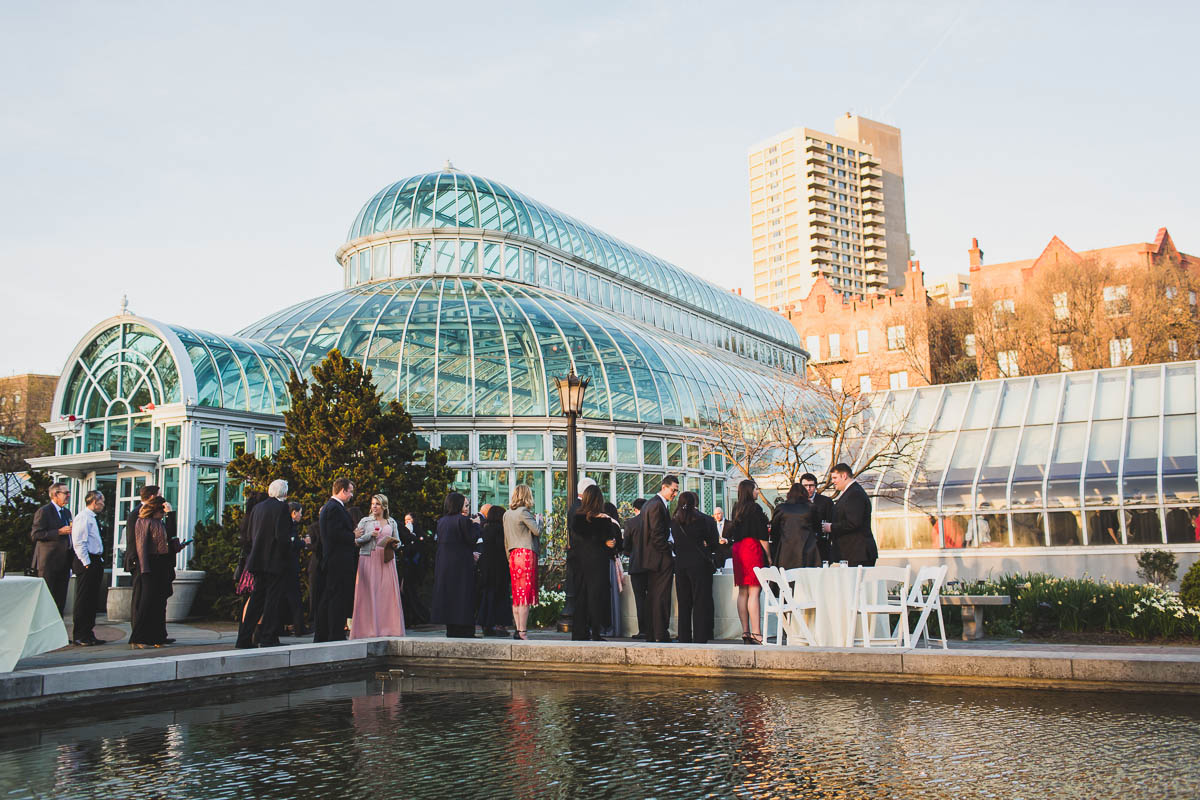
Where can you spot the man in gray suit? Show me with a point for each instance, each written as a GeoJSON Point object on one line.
{"type": "Point", "coordinates": [51, 534]}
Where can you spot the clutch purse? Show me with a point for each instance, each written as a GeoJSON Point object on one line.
{"type": "Point", "coordinates": [389, 549]}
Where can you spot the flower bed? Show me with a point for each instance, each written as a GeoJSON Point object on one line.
{"type": "Point", "coordinates": [1044, 603]}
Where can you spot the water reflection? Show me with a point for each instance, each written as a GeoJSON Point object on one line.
{"type": "Point", "coordinates": [465, 738]}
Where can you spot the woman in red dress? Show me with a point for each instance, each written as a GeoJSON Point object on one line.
{"type": "Point", "coordinates": [521, 530]}
{"type": "Point", "coordinates": [750, 549]}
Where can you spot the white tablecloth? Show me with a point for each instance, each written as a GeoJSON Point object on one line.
{"type": "Point", "coordinates": [29, 620]}
{"type": "Point", "coordinates": [832, 588]}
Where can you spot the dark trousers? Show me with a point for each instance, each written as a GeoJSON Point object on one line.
{"type": "Point", "coordinates": [693, 592]}
{"type": "Point", "coordinates": [262, 605]}
{"type": "Point", "coordinates": [658, 598]}
{"type": "Point", "coordinates": [591, 602]}
{"type": "Point", "coordinates": [337, 602]}
{"type": "Point", "coordinates": [87, 598]}
{"type": "Point", "coordinates": [290, 609]}
{"type": "Point", "coordinates": [149, 608]}
{"type": "Point", "coordinates": [460, 631]}
{"type": "Point", "coordinates": [58, 578]}
{"type": "Point", "coordinates": [316, 583]}
{"type": "Point", "coordinates": [638, 581]}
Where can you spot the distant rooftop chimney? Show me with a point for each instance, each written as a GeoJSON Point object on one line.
{"type": "Point", "coordinates": [448, 167]}
{"type": "Point", "coordinates": [975, 254]}
{"type": "Point", "coordinates": [124, 304]}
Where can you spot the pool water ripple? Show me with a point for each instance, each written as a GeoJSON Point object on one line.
{"type": "Point", "coordinates": [432, 737]}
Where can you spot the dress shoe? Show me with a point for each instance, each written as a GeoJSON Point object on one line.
{"type": "Point", "coordinates": [275, 643]}
{"type": "Point", "coordinates": [139, 646]}
{"type": "Point", "coordinates": [599, 639]}
{"type": "Point", "coordinates": [96, 641]}
{"type": "Point", "coordinates": [641, 636]}
{"type": "Point", "coordinates": [83, 642]}
{"type": "Point", "coordinates": [168, 640]}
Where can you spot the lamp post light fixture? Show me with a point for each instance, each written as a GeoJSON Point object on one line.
{"type": "Point", "coordinates": [570, 397]}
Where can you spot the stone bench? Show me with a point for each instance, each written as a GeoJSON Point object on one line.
{"type": "Point", "coordinates": [972, 610]}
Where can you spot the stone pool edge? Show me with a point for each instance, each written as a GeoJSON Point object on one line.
{"type": "Point", "coordinates": [90, 684]}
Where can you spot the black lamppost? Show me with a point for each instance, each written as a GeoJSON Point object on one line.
{"type": "Point", "coordinates": [570, 398]}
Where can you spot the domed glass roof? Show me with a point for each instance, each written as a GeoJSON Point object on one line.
{"type": "Point", "coordinates": [453, 199]}
{"type": "Point", "coordinates": [461, 347]}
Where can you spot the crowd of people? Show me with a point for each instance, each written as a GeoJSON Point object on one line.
{"type": "Point", "coordinates": [486, 565]}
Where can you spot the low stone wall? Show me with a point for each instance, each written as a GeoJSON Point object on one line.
{"type": "Point", "coordinates": [1111, 670]}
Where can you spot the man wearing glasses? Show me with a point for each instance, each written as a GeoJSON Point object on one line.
{"type": "Point", "coordinates": [52, 552]}
{"type": "Point", "coordinates": [824, 507]}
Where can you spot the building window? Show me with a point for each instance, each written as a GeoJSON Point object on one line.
{"type": "Point", "coordinates": [1007, 361]}
{"type": "Point", "coordinates": [969, 344]}
{"type": "Point", "coordinates": [1061, 310]}
{"type": "Point", "coordinates": [898, 380]}
{"type": "Point", "coordinates": [864, 383]}
{"type": "Point", "coordinates": [895, 337]}
{"type": "Point", "coordinates": [835, 346]}
{"type": "Point", "coordinates": [1002, 310]}
{"type": "Point", "coordinates": [1120, 351]}
{"type": "Point", "coordinates": [1173, 347]}
{"type": "Point", "coordinates": [835, 384]}
{"type": "Point", "coordinates": [1065, 361]}
{"type": "Point", "coordinates": [1116, 300]}
{"type": "Point", "coordinates": [813, 345]}
{"type": "Point", "coordinates": [863, 341]}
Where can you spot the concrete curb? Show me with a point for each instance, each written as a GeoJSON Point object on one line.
{"type": "Point", "coordinates": [102, 682]}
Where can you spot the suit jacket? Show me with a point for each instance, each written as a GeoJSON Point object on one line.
{"type": "Point", "coordinates": [633, 543]}
{"type": "Point", "coordinates": [656, 549]}
{"type": "Point", "coordinates": [338, 550]}
{"type": "Point", "coordinates": [51, 551]}
{"type": "Point", "coordinates": [270, 527]}
{"type": "Point", "coordinates": [696, 543]}
{"type": "Point", "coordinates": [851, 530]}
{"type": "Point", "coordinates": [794, 529]}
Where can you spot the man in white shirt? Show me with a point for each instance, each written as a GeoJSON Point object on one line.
{"type": "Point", "coordinates": [89, 569]}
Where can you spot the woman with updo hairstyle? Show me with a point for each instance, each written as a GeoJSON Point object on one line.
{"type": "Point", "coordinates": [454, 569]}
{"type": "Point", "coordinates": [596, 537]}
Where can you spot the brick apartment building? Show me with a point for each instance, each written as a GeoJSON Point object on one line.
{"type": "Point", "coordinates": [867, 343]}
{"type": "Point", "coordinates": [1011, 289]}
{"type": "Point", "coordinates": [24, 405]}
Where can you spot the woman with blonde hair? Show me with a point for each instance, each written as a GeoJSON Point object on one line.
{"type": "Point", "coordinates": [377, 610]}
{"type": "Point", "coordinates": [521, 531]}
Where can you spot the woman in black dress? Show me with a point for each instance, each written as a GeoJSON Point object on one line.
{"type": "Point", "coordinates": [596, 537]}
{"type": "Point", "coordinates": [794, 527]}
{"type": "Point", "coordinates": [454, 571]}
{"type": "Point", "coordinates": [495, 594]}
{"type": "Point", "coordinates": [696, 543]}
{"type": "Point", "coordinates": [155, 570]}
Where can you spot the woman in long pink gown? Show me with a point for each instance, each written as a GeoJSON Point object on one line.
{"type": "Point", "coordinates": [377, 610]}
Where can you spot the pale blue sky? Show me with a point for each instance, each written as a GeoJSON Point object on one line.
{"type": "Point", "coordinates": [208, 158]}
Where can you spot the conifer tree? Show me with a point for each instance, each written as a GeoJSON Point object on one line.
{"type": "Point", "coordinates": [339, 426]}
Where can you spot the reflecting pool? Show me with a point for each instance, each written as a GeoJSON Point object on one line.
{"type": "Point", "coordinates": [417, 737]}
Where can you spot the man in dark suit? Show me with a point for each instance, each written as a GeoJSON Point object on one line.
{"type": "Point", "coordinates": [637, 573]}
{"type": "Point", "coordinates": [824, 507]}
{"type": "Point", "coordinates": [658, 558]}
{"type": "Point", "coordinates": [51, 534]}
{"type": "Point", "coordinates": [270, 526]}
{"type": "Point", "coordinates": [851, 525]}
{"type": "Point", "coordinates": [340, 564]}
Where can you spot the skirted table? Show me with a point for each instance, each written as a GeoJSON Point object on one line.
{"type": "Point", "coordinates": [832, 623]}
{"type": "Point", "coordinates": [29, 620]}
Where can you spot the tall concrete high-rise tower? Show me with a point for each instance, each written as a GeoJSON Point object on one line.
{"type": "Point", "coordinates": [829, 205]}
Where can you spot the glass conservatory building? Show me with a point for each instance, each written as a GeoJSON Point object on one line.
{"type": "Point", "coordinates": [466, 299]}
{"type": "Point", "coordinates": [1063, 473]}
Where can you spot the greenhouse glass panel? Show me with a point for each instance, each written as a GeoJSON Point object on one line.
{"type": "Point", "coordinates": [118, 434]}
{"type": "Point", "coordinates": [423, 257]}
{"type": "Point", "coordinates": [418, 366]}
{"type": "Point", "coordinates": [491, 260]}
{"type": "Point", "coordinates": [1181, 525]}
{"type": "Point", "coordinates": [596, 449]}
{"type": "Point", "coordinates": [531, 447]}
{"type": "Point", "coordinates": [1033, 454]}
{"type": "Point", "coordinates": [559, 445]}
{"type": "Point", "coordinates": [454, 354]}
{"type": "Point", "coordinates": [527, 378]}
{"type": "Point", "coordinates": [1043, 404]}
{"type": "Point", "coordinates": [1028, 530]}
{"type": "Point", "coordinates": [628, 487]}
{"type": "Point", "coordinates": [1065, 528]}
{"type": "Point", "coordinates": [210, 443]}
{"type": "Point", "coordinates": [998, 463]}
{"type": "Point", "coordinates": [512, 263]}
{"type": "Point", "coordinates": [1141, 461]}
{"type": "Point", "coordinates": [674, 455]}
{"type": "Point", "coordinates": [447, 253]}
{"type": "Point", "coordinates": [626, 450]}
{"type": "Point", "coordinates": [603, 479]}
{"type": "Point", "coordinates": [1144, 397]}
{"type": "Point", "coordinates": [953, 406]}
{"type": "Point", "coordinates": [208, 490]}
{"type": "Point", "coordinates": [172, 441]}
{"type": "Point", "coordinates": [528, 266]}
{"type": "Point", "coordinates": [1103, 527]}
{"type": "Point", "coordinates": [379, 261]}
{"type": "Point", "coordinates": [492, 487]}
{"type": "Point", "coordinates": [652, 452]}
{"type": "Point", "coordinates": [493, 447]}
{"type": "Point", "coordinates": [1179, 459]}
{"type": "Point", "coordinates": [1142, 526]}
{"type": "Point", "coordinates": [535, 479]}
{"type": "Point", "coordinates": [1110, 395]}
{"type": "Point", "coordinates": [457, 446]}
{"type": "Point", "coordinates": [1181, 389]}
{"type": "Point", "coordinates": [1012, 403]}
{"type": "Point", "coordinates": [1067, 461]}
{"type": "Point", "coordinates": [139, 440]}
{"type": "Point", "coordinates": [490, 363]}
{"type": "Point", "coordinates": [982, 407]}
{"type": "Point", "coordinates": [468, 257]}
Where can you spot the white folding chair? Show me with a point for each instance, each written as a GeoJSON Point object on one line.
{"type": "Point", "coordinates": [928, 602]}
{"type": "Point", "coordinates": [771, 602]}
{"type": "Point", "coordinates": [797, 608]}
{"type": "Point", "coordinates": [885, 581]}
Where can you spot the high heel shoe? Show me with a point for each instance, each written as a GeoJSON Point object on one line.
{"type": "Point", "coordinates": [520, 635]}
{"type": "Point", "coordinates": [756, 638]}
{"type": "Point", "coordinates": [746, 638]}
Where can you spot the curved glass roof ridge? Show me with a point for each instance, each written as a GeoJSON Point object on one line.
{"type": "Point", "coordinates": [455, 199]}
{"type": "Point", "coordinates": [450, 346]}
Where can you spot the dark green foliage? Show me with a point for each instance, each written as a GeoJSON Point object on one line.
{"type": "Point", "coordinates": [16, 521]}
{"type": "Point", "coordinates": [216, 552]}
{"type": "Point", "coordinates": [1189, 588]}
{"type": "Point", "coordinates": [338, 426]}
{"type": "Point", "coordinates": [1157, 566]}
